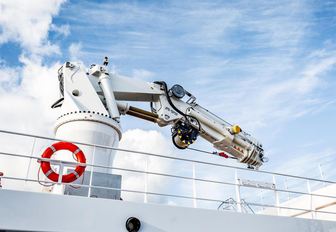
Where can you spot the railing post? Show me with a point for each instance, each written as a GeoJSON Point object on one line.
{"type": "Point", "coordinates": [238, 198]}
{"type": "Point", "coordinates": [30, 159]}
{"type": "Point", "coordinates": [262, 198]}
{"type": "Point", "coordinates": [286, 187]}
{"type": "Point", "coordinates": [311, 200]}
{"type": "Point", "coordinates": [277, 199]}
{"type": "Point", "coordinates": [60, 175]}
{"type": "Point", "coordinates": [146, 181]}
{"type": "Point", "coordinates": [91, 174]}
{"type": "Point", "coordinates": [322, 173]}
{"type": "Point", "coordinates": [194, 185]}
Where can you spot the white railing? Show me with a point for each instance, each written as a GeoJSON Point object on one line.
{"type": "Point", "coordinates": [243, 197]}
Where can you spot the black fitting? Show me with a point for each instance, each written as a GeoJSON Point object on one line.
{"type": "Point", "coordinates": [183, 135]}
{"type": "Point", "coordinates": [133, 224]}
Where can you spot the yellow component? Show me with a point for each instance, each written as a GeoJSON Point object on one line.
{"type": "Point", "coordinates": [236, 129]}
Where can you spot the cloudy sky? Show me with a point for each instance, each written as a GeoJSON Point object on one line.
{"type": "Point", "coordinates": [267, 65]}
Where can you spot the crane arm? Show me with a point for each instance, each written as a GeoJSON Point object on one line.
{"type": "Point", "coordinates": [176, 107]}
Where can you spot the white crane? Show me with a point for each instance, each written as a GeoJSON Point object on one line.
{"type": "Point", "coordinates": [94, 100]}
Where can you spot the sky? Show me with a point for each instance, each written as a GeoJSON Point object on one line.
{"type": "Point", "coordinates": [268, 66]}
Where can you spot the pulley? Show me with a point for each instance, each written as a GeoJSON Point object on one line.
{"type": "Point", "coordinates": [178, 91]}
{"type": "Point", "coordinates": [183, 134]}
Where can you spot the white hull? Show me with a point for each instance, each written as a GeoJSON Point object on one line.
{"type": "Point", "coordinates": [47, 212]}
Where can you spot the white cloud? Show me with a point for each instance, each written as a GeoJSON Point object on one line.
{"type": "Point", "coordinates": [61, 30]}
{"type": "Point", "coordinates": [27, 91]}
{"type": "Point", "coordinates": [145, 141]}
{"type": "Point", "coordinates": [259, 102]}
{"type": "Point", "coordinates": [75, 51]}
{"type": "Point", "coordinates": [28, 23]}
{"type": "Point", "coordinates": [143, 74]}
{"type": "Point", "coordinates": [9, 78]}
{"type": "Point", "coordinates": [312, 74]}
{"type": "Point", "coordinates": [272, 79]}
{"type": "Point", "coordinates": [32, 87]}
{"type": "Point", "coordinates": [25, 107]}
{"type": "Point", "coordinates": [156, 143]}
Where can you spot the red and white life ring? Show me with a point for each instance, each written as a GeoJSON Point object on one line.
{"type": "Point", "coordinates": [68, 178]}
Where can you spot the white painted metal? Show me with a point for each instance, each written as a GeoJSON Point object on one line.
{"type": "Point", "coordinates": [324, 198]}
{"type": "Point", "coordinates": [91, 132]}
{"type": "Point", "coordinates": [286, 187]}
{"type": "Point", "coordinates": [93, 95]}
{"type": "Point", "coordinates": [276, 194]}
{"type": "Point", "coordinates": [238, 197]}
{"type": "Point", "coordinates": [85, 119]}
{"type": "Point", "coordinates": [91, 173]}
{"type": "Point", "coordinates": [194, 185]}
{"type": "Point", "coordinates": [46, 212]}
{"type": "Point", "coordinates": [30, 160]}
{"type": "Point", "coordinates": [311, 198]}
{"type": "Point", "coordinates": [131, 89]}
{"type": "Point", "coordinates": [234, 168]}
{"type": "Point", "coordinates": [106, 85]}
{"type": "Point", "coordinates": [321, 172]}
{"type": "Point", "coordinates": [146, 182]}
{"type": "Point", "coordinates": [257, 184]}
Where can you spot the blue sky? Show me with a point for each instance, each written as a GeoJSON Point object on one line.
{"type": "Point", "coordinates": [266, 65]}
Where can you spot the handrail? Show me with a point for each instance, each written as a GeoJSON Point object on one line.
{"type": "Point", "coordinates": [239, 202]}
{"type": "Point", "coordinates": [171, 157]}
{"type": "Point", "coordinates": [173, 195]}
{"type": "Point", "coordinates": [73, 164]}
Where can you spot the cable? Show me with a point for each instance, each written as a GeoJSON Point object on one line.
{"type": "Point", "coordinates": [168, 97]}
{"type": "Point", "coordinates": [202, 151]}
{"type": "Point", "coordinates": [58, 103]}
{"type": "Point", "coordinates": [38, 180]}
{"type": "Point", "coordinates": [210, 152]}
{"type": "Point", "coordinates": [61, 80]}
{"type": "Point", "coordinates": [46, 185]}
{"type": "Point", "coordinates": [174, 107]}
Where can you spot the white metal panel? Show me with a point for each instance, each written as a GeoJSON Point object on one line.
{"type": "Point", "coordinates": [46, 212]}
{"type": "Point", "coordinates": [87, 100]}
{"type": "Point", "coordinates": [132, 89]}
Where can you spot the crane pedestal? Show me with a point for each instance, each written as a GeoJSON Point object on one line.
{"type": "Point", "coordinates": [91, 128]}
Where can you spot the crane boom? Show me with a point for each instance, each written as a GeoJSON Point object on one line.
{"type": "Point", "coordinates": [97, 91]}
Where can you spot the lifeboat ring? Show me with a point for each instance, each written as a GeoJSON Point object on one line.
{"type": "Point", "coordinates": [68, 178]}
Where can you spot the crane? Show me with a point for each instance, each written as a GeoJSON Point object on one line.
{"type": "Point", "coordinates": [98, 96]}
